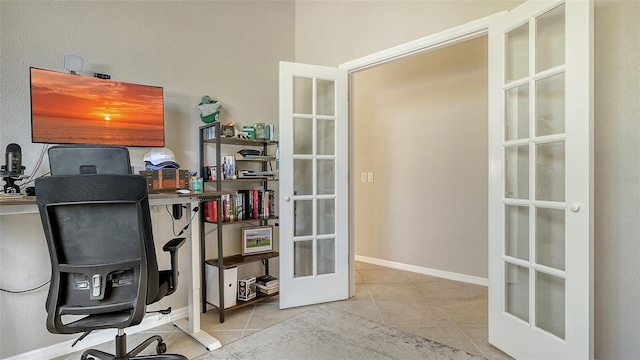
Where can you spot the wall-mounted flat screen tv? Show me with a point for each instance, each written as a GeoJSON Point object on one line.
{"type": "Point", "coordinates": [74, 109]}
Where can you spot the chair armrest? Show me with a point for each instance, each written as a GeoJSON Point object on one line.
{"type": "Point", "coordinates": [173, 245]}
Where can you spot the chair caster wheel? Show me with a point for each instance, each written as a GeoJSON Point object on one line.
{"type": "Point", "coordinates": [161, 348]}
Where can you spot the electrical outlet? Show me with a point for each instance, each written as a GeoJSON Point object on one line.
{"type": "Point", "coordinates": [363, 177]}
{"type": "Point", "coordinates": [370, 176]}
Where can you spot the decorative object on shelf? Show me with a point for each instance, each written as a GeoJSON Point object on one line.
{"type": "Point", "coordinates": [260, 130]}
{"type": "Point", "coordinates": [257, 239]}
{"type": "Point", "coordinates": [197, 185]}
{"type": "Point", "coordinates": [229, 130]}
{"type": "Point", "coordinates": [166, 179]}
{"type": "Point", "coordinates": [209, 109]}
{"type": "Point", "coordinates": [249, 132]}
{"type": "Point", "coordinates": [247, 288]}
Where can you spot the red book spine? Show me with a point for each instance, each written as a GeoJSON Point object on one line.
{"type": "Point", "coordinates": [256, 208]}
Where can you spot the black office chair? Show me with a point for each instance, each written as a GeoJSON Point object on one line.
{"type": "Point", "coordinates": [103, 260]}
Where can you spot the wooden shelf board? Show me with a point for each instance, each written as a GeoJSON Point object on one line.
{"type": "Point", "coordinates": [239, 303]}
{"type": "Point", "coordinates": [238, 141]}
{"type": "Point", "coordinates": [236, 260]}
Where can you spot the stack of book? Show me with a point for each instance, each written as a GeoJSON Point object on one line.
{"type": "Point", "coordinates": [267, 284]}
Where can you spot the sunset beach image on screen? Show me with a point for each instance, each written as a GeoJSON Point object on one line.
{"type": "Point", "coordinates": [73, 109]}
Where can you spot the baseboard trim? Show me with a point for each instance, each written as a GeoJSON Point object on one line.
{"type": "Point", "coordinates": [99, 337]}
{"type": "Point", "coordinates": [425, 271]}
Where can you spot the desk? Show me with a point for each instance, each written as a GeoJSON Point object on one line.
{"type": "Point", "coordinates": [191, 326]}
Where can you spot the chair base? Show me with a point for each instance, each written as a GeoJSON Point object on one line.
{"type": "Point", "coordinates": [122, 354]}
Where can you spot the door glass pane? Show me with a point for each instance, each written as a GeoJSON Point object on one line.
{"type": "Point", "coordinates": [550, 171]}
{"type": "Point", "coordinates": [303, 176]}
{"type": "Point", "coordinates": [550, 39]}
{"type": "Point", "coordinates": [326, 137]}
{"type": "Point", "coordinates": [517, 113]}
{"type": "Point", "coordinates": [302, 136]}
{"type": "Point", "coordinates": [326, 96]}
{"type": "Point", "coordinates": [302, 95]}
{"type": "Point", "coordinates": [517, 172]}
{"type": "Point", "coordinates": [517, 231]}
{"type": "Point", "coordinates": [550, 237]}
{"type": "Point", "coordinates": [303, 258]}
{"type": "Point", "coordinates": [303, 217]}
{"type": "Point", "coordinates": [326, 256]}
{"type": "Point", "coordinates": [550, 305]}
{"type": "Point", "coordinates": [517, 291]}
{"type": "Point", "coordinates": [517, 53]}
{"type": "Point", "coordinates": [550, 105]}
{"type": "Point", "coordinates": [326, 177]}
{"type": "Point", "coordinates": [326, 216]}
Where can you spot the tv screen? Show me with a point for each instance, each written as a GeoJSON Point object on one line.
{"type": "Point", "coordinates": [74, 109]}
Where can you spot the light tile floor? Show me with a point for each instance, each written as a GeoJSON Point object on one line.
{"type": "Point", "coordinates": [450, 312]}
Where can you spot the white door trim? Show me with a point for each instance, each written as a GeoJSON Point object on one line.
{"type": "Point", "coordinates": [432, 42]}
{"type": "Point", "coordinates": [435, 41]}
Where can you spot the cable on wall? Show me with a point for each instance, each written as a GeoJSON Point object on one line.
{"type": "Point", "coordinates": [173, 223]}
{"type": "Point", "coordinates": [24, 291]}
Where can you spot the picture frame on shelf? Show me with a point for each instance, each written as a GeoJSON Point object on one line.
{"type": "Point", "coordinates": [257, 240]}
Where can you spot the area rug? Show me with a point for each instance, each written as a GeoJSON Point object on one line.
{"type": "Point", "coordinates": [329, 333]}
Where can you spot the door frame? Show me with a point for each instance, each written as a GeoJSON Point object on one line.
{"type": "Point", "coordinates": [428, 43]}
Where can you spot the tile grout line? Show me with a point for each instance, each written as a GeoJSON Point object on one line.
{"type": "Point", "coordinates": [450, 319]}
{"type": "Point", "coordinates": [373, 301]}
{"type": "Point", "coordinates": [248, 321]}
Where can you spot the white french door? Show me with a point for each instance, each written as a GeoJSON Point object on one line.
{"type": "Point", "coordinates": [313, 185]}
{"type": "Point", "coordinates": [541, 178]}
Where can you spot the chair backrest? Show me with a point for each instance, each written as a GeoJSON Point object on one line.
{"type": "Point", "coordinates": [89, 159]}
{"type": "Point", "coordinates": [103, 261]}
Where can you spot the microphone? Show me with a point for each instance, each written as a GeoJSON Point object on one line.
{"type": "Point", "coordinates": [13, 159]}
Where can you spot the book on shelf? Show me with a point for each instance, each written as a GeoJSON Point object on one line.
{"type": "Point", "coordinates": [243, 205]}
{"type": "Point", "coordinates": [267, 281]}
{"type": "Point", "coordinates": [267, 291]}
{"type": "Point", "coordinates": [209, 133]}
{"type": "Point", "coordinates": [210, 211]}
{"type": "Point", "coordinates": [258, 204]}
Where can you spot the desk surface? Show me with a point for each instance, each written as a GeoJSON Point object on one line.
{"type": "Point", "coordinates": [31, 200]}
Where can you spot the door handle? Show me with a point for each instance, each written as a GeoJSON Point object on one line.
{"type": "Point", "coordinates": [287, 198]}
{"type": "Point", "coordinates": [575, 207]}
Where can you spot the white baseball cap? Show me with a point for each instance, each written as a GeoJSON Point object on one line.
{"type": "Point", "coordinates": [156, 156]}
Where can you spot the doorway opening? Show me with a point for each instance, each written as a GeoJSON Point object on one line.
{"type": "Point", "coordinates": [420, 150]}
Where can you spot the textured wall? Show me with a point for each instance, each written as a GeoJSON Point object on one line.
{"type": "Point", "coordinates": [617, 179]}
{"type": "Point", "coordinates": [228, 50]}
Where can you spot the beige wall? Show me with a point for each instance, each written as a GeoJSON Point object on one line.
{"type": "Point", "coordinates": [421, 126]}
{"type": "Point", "coordinates": [355, 29]}
{"type": "Point", "coordinates": [333, 32]}
{"type": "Point", "coordinates": [228, 50]}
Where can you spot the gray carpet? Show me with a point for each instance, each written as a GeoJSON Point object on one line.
{"type": "Point", "coordinates": [328, 333]}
